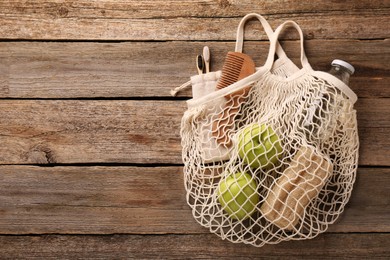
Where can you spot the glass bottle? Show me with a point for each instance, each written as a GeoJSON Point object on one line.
{"type": "Point", "coordinates": [329, 104]}
{"type": "Point", "coordinates": [338, 106]}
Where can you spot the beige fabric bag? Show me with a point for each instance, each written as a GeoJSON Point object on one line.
{"type": "Point", "coordinates": [291, 165]}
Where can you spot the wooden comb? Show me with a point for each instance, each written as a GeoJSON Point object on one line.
{"type": "Point", "coordinates": [237, 66]}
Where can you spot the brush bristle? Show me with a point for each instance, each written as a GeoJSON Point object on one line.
{"type": "Point", "coordinates": [231, 70]}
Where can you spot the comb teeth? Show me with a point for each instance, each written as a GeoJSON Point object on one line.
{"type": "Point", "coordinates": [235, 67]}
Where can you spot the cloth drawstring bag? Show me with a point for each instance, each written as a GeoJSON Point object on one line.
{"type": "Point", "coordinates": [291, 160]}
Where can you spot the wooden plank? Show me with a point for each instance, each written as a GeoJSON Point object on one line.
{"type": "Point", "coordinates": [109, 9]}
{"type": "Point", "coordinates": [345, 246]}
{"type": "Point", "coordinates": [147, 69]}
{"type": "Point", "coordinates": [374, 138]}
{"type": "Point", "coordinates": [369, 191]}
{"type": "Point", "coordinates": [93, 200]}
{"type": "Point", "coordinates": [371, 24]}
{"type": "Point", "coordinates": [132, 131]}
{"type": "Point", "coordinates": [142, 200]}
{"type": "Point", "coordinates": [89, 131]}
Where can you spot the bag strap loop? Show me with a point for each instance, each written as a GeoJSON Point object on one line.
{"type": "Point", "coordinates": [274, 44]}
{"type": "Point", "coordinates": [267, 28]}
{"type": "Point", "coordinates": [240, 41]}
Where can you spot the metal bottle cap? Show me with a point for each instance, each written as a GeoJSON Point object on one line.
{"type": "Point", "coordinates": [344, 64]}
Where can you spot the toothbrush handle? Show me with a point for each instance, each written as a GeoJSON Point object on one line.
{"type": "Point", "coordinates": [206, 57]}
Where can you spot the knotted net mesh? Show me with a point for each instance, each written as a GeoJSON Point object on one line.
{"type": "Point", "coordinates": [270, 162]}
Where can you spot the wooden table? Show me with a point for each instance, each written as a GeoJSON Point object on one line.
{"type": "Point", "coordinates": [89, 135]}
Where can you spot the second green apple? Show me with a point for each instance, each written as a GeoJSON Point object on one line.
{"type": "Point", "coordinates": [238, 195]}
{"type": "Point", "coordinates": [259, 146]}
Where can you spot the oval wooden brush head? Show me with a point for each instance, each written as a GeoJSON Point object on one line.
{"type": "Point", "coordinates": [237, 66]}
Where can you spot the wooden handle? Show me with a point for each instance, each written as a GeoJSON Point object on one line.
{"type": "Point", "coordinates": [223, 126]}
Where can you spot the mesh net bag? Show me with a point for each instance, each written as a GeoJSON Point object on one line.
{"type": "Point", "coordinates": [277, 165]}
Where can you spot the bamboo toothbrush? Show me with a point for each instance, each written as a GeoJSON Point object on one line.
{"type": "Point", "coordinates": [237, 66]}
{"type": "Point", "coordinates": [206, 57]}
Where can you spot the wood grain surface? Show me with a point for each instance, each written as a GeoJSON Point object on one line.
{"type": "Point", "coordinates": [132, 131]}
{"type": "Point", "coordinates": [196, 246]}
{"type": "Point", "coordinates": [63, 20]}
{"type": "Point", "coordinates": [151, 69]}
{"type": "Point", "coordinates": [110, 9]}
{"type": "Point", "coordinates": [90, 156]}
{"type": "Point", "coordinates": [141, 200]}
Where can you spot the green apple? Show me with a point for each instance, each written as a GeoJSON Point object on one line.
{"type": "Point", "coordinates": [259, 146]}
{"type": "Point", "coordinates": [238, 195]}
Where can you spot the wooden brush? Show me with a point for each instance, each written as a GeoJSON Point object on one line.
{"type": "Point", "coordinates": [237, 66]}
